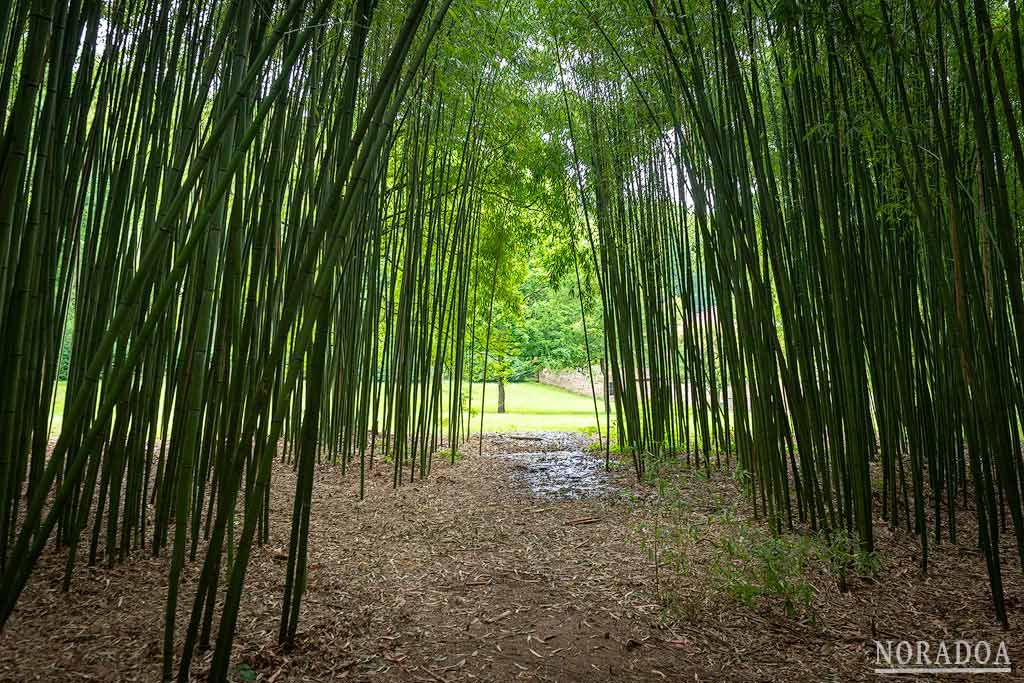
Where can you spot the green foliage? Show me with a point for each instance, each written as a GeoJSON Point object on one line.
{"type": "Point", "coordinates": [538, 327]}
{"type": "Point", "coordinates": [449, 455]}
{"type": "Point", "coordinates": [844, 554]}
{"type": "Point", "coordinates": [64, 361]}
{"type": "Point", "coordinates": [758, 568]}
{"type": "Point", "coordinates": [244, 672]}
{"type": "Point", "coordinates": [744, 560]}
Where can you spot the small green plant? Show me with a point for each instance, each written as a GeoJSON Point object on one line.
{"type": "Point", "coordinates": [844, 555]}
{"type": "Point", "coordinates": [629, 496]}
{"type": "Point", "coordinates": [757, 568]}
{"type": "Point", "coordinates": [617, 464]}
{"type": "Point", "coordinates": [244, 672]}
{"type": "Point", "coordinates": [742, 476]}
{"type": "Point", "coordinates": [448, 455]}
{"type": "Point", "coordinates": [746, 563]}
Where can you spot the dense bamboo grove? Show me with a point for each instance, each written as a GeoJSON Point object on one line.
{"type": "Point", "coordinates": [808, 219]}
{"type": "Point", "coordinates": [256, 225]}
{"type": "Point", "coordinates": [248, 232]}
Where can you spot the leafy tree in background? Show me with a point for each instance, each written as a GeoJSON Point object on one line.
{"type": "Point", "coordinates": [551, 330]}
{"type": "Point", "coordinates": [539, 327]}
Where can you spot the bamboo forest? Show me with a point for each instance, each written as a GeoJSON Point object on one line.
{"type": "Point", "coordinates": [539, 340]}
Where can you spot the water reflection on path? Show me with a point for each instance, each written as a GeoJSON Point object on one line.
{"type": "Point", "coordinates": [568, 472]}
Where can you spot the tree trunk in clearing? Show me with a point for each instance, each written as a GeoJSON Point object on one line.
{"type": "Point", "coordinates": [501, 395]}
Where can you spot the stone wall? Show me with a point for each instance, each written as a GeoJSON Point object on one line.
{"type": "Point", "coordinates": [574, 380]}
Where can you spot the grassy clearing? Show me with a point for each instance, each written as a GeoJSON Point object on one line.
{"type": "Point", "coordinates": [58, 408]}
{"type": "Point", "coordinates": [531, 407]}
{"type": "Point", "coordinates": [534, 407]}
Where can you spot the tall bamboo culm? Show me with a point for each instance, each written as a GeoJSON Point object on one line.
{"type": "Point", "coordinates": [808, 224]}
{"type": "Point", "coordinates": [242, 231]}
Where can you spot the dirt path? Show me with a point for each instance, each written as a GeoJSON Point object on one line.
{"type": "Point", "coordinates": [525, 563]}
{"type": "Point", "coordinates": [511, 565]}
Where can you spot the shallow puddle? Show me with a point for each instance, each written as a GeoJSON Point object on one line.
{"type": "Point", "coordinates": [561, 474]}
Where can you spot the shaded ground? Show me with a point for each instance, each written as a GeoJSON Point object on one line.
{"type": "Point", "coordinates": [528, 563]}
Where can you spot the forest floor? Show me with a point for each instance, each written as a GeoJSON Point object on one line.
{"type": "Point", "coordinates": [529, 562]}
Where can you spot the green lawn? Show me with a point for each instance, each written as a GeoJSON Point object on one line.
{"type": "Point", "coordinates": [58, 408]}
{"type": "Point", "coordinates": [533, 407]}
